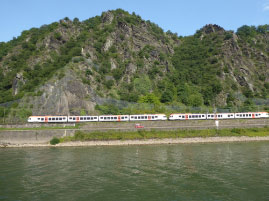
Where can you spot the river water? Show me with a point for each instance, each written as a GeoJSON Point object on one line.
{"type": "Point", "coordinates": [220, 171]}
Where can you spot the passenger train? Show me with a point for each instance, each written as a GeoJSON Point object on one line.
{"type": "Point", "coordinates": [146, 117]}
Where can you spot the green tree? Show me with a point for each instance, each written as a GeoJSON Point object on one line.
{"type": "Point", "coordinates": [143, 84]}
{"type": "Point", "coordinates": [149, 98]}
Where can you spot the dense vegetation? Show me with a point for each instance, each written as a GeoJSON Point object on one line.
{"type": "Point", "coordinates": [123, 57]}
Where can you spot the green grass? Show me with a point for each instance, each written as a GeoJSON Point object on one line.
{"type": "Point", "coordinates": [153, 134]}
{"type": "Point", "coordinates": [42, 128]}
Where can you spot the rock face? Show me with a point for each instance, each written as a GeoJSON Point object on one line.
{"type": "Point", "coordinates": [64, 97]}
{"type": "Point", "coordinates": [17, 82]}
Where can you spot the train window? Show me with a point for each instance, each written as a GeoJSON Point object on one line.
{"type": "Point", "coordinates": [138, 117]}
{"type": "Point", "coordinates": [146, 117]}
{"type": "Point", "coordinates": [85, 118]}
{"type": "Point", "coordinates": [122, 117]}
{"type": "Point", "coordinates": [95, 117]}
{"type": "Point", "coordinates": [101, 117]}
{"type": "Point", "coordinates": [81, 118]}
{"type": "Point", "coordinates": [74, 118]}
{"type": "Point", "coordinates": [49, 118]}
{"type": "Point", "coordinates": [42, 119]}
{"type": "Point", "coordinates": [53, 119]}
{"type": "Point", "coordinates": [104, 117]}
{"type": "Point", "coordinates": [115, 117]}
{"type": "Point", "coordinates": [126, 117]}
{"type": "Point", "coordinates": [152, 117]}
{"type": "Point", "coordinates": [56, 119]}
{"type": "Point", "coordinates": [38, 118]}
{"type": "Point", "coordinates": [88, 118]}
{"type": "Point", "coordinates": [182, 117]}
{"type": "Point", "coordinates": [199, 116]}
{"type": "Point", "coordinates": [203, 115]}
{"type": "Point", "coordinates": [70, 118]}
{"type": "Point", "coordinates": [60, 118]}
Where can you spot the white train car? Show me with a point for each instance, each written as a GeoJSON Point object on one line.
{"type": "Point", "coordinates": [183, 116]}
{"type": "Point", "coordinates": [220, 116]}
{"type": "Point", "coordinates": [251, 115]}
{"type": "Point", "coordinates": [82, 118]}
{"type": "Point", "coordinates": [114, 118]}
{"type": "Point", "coordinates": [148, 117]}
{"type": "Point", "coordinates": [47, 119]}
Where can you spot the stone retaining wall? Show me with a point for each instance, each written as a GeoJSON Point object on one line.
{"type": "Point", "coordinates": [32, 136]}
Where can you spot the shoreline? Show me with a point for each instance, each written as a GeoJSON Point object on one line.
{"type": "Point", "coordinates": [143, 142]}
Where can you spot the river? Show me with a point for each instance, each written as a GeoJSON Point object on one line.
{"type": "Point", "coordinates": [217, 171]}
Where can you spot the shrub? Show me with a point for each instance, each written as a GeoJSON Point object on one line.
{"type": "Point", "coordinates": [54, 141]}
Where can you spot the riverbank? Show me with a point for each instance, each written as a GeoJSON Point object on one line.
{"type": "Point", "coordinates": [144, 142]}
{"type": "Point", "coordinates": [92, 133]}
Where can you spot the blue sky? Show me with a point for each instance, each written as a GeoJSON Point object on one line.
{"type": "Point", "coordinates": [181, 16]}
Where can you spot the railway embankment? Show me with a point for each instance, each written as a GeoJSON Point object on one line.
{"type": "Point", "coordinates": [43, 133]}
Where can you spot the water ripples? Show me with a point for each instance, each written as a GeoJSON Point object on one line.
{"type": "Point", "coordinates": [232, 171]}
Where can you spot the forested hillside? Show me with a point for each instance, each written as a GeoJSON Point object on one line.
{"type": "Point", "coordinates": [116, 62]}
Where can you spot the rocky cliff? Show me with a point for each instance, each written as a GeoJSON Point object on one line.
{"type": "Point", "coordinates": [69, 67]}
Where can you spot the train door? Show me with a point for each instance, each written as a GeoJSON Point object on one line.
{"type": "Point", "coordinates": [118, 118]}
{"type": "Point", "coordinates": [77, 119]}
{"type": "Point", "coordinates": [149, 117]}
{"type": "Point", "coordinates": [253, 115]}
{"type": "Point", "coordinates": [186, 117]}
{"type": "Point", "coordinates": [46, 120]}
